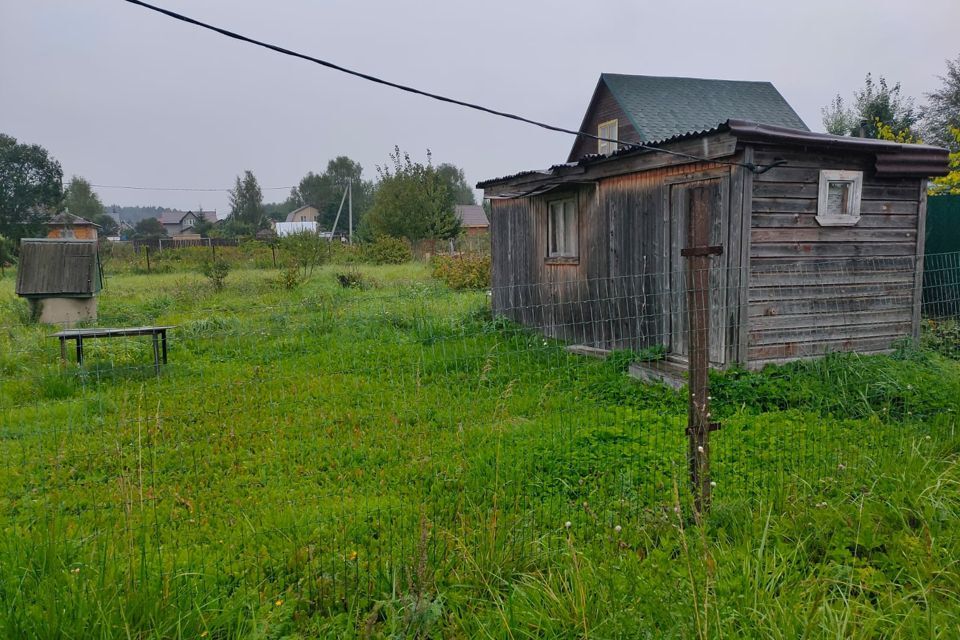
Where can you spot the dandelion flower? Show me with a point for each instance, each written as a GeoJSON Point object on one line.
{"type": "Point", "coordinates": [278, 602]}
{"type": "Point", "coordinates": [713, 483]}
{"type": "Point", "coordinates": [353, 555]}
{"type": "Point", "coordinates": [700, 449]}
{"type": "Point", "coordinates": [567, 524]}
{"type": "Point", "coordinates": [618, 529]}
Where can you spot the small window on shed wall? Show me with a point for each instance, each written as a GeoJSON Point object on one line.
{"type": "Point", "coordinates": [838, 202]}
{"type": "Point", "coordinates": [607, 130]}
{"type": "Point", "coordinates": [562, 232]}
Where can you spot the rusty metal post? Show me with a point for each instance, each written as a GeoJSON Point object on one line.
{"type": "Point", "coordinates": [699, 426]}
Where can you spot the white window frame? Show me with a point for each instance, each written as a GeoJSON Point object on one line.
{"type": "Point", "coordinates": [567, 213]}
{"type": "Point", "coordinates": [608, 129]}
{"type": "Point", "coordinates": [852, 216]}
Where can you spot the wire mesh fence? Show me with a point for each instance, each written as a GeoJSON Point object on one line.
{"type": "Point", "coordinates": [342, 446]}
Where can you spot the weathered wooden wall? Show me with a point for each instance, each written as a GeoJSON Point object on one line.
{"type": "Point", "coordinates": [617, 294]}
{"type": "Point", "coordinates": [603, 108]}
{"type": "Point", "coordinates": [818, 289]}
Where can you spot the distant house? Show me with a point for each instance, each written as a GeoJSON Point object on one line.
{"type": "Point", "coordinates": [473, 219]}
{"type": "Point", "coordinates": [60, 277]}
{"type": "Point", "coordinates": [819, 239]}
{"type": "Point", "coordinates": [67, 225]}
{"type": "Point", "coordinates": [306, 213]}
{"type": "Point", "coordinates": [177, 223]}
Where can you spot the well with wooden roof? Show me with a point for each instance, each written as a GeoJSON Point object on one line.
{"type": "Point", "coordinates": [61, 278]}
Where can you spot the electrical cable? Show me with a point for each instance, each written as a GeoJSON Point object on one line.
{"type": "Point", "coordinates": [118, 186]}
{"type": "Point", "coordinates": [435, 96]}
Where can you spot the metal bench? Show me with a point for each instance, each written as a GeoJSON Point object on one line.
{"type": "Point", "coordinates": [159, 335]}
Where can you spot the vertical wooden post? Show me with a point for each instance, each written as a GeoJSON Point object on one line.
{"type": "Point", "coordinates": [146, 249]}
{"type": "Point", "coordinates": [273, 252]}
{"type": "Point", "coordinates": [699, 426]}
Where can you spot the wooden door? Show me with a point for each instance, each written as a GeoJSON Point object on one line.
{"type": "Point", "coordinates": [679, 211]}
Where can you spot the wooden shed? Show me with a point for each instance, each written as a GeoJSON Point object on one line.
{"type": "Point", "coordinates": [61, 278]}
{"type": "Point", "coordinates": [67, 225]}
{"type": "Point", "coordinates": [821, 236]}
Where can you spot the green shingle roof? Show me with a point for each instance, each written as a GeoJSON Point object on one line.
{"type": "Point", "coordinates": [661, 108]}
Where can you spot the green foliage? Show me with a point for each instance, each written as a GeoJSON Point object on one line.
{"type": "Point", "coordinates": [467, 271]}
{"type": "Point", "coordinates": [216, 271]}
{"type": "Point", "coordinates": [108, 226]}
{"type": "Point", "coordinates": [7, 248]}
{"type": "Point", "coordinates": [457, 183]}
{"type": "Point", "coordinates": [31, 187]}
{"type": "Point", "coordinates": [950, 183]}
{"type": "Point", "coordinates": [876, 101]}
{"type": "Point", "coordinates": [290, 277]}
{"type": "Point", "coordinates": [80, 200]}
{"type": "Point", "coordinates": [246, 206]}
{"type": "Point", "coordinates": [412, 201]}
{"type": "Point", "coordinates": [941, 114]}
{"type": "Point", "coordinates": [352, 279]}
{"type": "Point", "coordinates": [304, 251]}
{"type": "Point", "coordinates": [149, 228]}
{"type": "Point", "coordinates": [388, 250]}
{"type": "Point", "coordinates": [942, 336]}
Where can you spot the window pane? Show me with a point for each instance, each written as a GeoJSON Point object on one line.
{"type": "Point", "coordinates": [554, 228]}
{"type": "Point", "coordinates": [838, 198]}
{"type": "Point", "coordinates": [570, 229]}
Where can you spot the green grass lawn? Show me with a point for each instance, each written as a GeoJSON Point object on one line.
{"type": "Point", "coordinates": [390, 461]}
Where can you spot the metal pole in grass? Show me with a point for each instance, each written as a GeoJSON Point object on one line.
{"type": "Point", "coordinates": [698, 253]}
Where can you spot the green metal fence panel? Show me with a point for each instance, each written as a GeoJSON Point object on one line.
{"type": "Point", "coordinates": [941, 278]}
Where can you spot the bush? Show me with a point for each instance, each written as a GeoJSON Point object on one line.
{"type": "Point", "coordinates": [351, 280]}
{"type": "Point", "coordinates": [942, 336]}
{"type": "Point", "coordinates": [389, 250]}
{"type": "Point", "coordinates": [305, 251]}
{"type": "Point", "coordinates": [216, 272]}
{"type": "Point", "coordinates": [463, 272]}
{"type": "Point", "coordinates": [290, 277]}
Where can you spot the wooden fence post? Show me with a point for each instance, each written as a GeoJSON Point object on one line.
{"type": "Point", "coordinates": [699, 426]}
{"type": "Point", "coordinates": [146, 249]}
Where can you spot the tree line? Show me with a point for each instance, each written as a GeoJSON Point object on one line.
{"type": "Point", "coordinates": [408, 198]}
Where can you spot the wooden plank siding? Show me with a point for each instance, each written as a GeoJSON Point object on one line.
{"type": "Point", "coordinates": [816, 289]}
{"type": "Point", "coordinates": [616, 295]}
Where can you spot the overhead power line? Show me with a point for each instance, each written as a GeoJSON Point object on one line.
{"type": "Point", "coordinates": [118, 186]}
{"type": "Point", "coordinates": [428, 94]}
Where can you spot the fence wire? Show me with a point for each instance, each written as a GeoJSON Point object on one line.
{"type": "Point", "coordinates": [343, 445]}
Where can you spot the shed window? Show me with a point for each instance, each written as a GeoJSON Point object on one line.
{"type": "Point", "coordinates": [607, 130]}
{"type": "Point", "coordinates": [839, 198]}
{"type": "Point", "coordinates": [562, 229]}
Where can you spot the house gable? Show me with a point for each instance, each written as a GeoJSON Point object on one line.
{"type": "Point", "coordinates": [603, 107]}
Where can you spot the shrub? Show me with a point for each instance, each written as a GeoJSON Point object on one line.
{"type": "Point", "coordinates": [305, 251]}
{"type": "Point", "coordinates": [389, 250]}
{"type": "Point", "coordinates": [351, 280]}
{"type": "Point", "coordinates": [942, 336]}
{"type": "Point", "coordinates": [463, 272]}
{"type": "Point", "coordinates": [289, 277]}
{"type": "Point", "coordinates": [216, 272]}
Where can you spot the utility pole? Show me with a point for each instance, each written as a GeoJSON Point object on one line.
{"type": "Point", "coordinates": [350, 209]}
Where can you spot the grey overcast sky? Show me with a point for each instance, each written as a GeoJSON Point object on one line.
{"type": "Point", "coordinates": [124, 96]}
